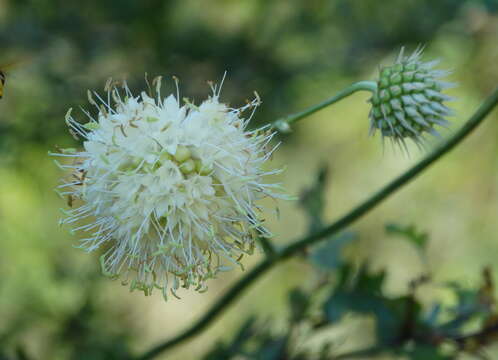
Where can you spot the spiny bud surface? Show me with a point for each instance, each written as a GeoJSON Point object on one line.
{"type": "Point", "coordinates": [409, 102]}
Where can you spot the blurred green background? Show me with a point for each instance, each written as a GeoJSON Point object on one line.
{"type": "Point", "coordinates": [54, 304]}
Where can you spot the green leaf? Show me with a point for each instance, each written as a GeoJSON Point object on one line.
{"type": "Point", "coordinates": [313, 200]}
{"type": "Point", "coordinates": [299, 304]}
{"type": "Point", "coordinates": [425, 352]}
{"type": "Point", "coordinates": [410, 233]}
{"type": "Point", "coordinates": [397, 317]}
{"type": "Point", "coordinates": [467, 308]}
{"type": "Point", "coordinates": [432, 316]}
{"type": "Point", "coordinates": [338, 305]}
{"type": "Point", "coordinates": [361, 295]}
{"type": "Point", "coordinates": [245, 332]}
{"type": "Point", "coordinates": [328, 254]}
{"type": "Point", "coordinates": [272, 349]}
{"type": "Point", "coordinates": [228, 351]}
{"type": "Point", "coordinates": [370, 283]}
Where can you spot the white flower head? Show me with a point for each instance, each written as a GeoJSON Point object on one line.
{"type": "Point", "coordinates": [169, 191]}
{"type": "Point", "coordinates": [409, 102]}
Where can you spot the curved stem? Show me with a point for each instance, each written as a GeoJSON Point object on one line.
{"type": "Point", "coordinates": [283, 124]}
{"type": "Point", "coordinates": [222, 304]}
{"type": "Point", "coordinates": [267, 246]}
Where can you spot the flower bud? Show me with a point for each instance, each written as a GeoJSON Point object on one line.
{"type": "Point", "coordinates": [408, 102]}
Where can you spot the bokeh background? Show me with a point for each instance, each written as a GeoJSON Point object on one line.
{"type": "Point", "coordinates": [54, 304]}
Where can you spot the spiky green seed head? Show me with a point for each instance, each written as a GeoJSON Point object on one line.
{"type": "Point", "coordinates": [409, 102]}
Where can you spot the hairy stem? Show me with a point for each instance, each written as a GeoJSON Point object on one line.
{"type": "Point", "coordinates": [269, 262]}
{"type": "Point", "coordinates": [283, 124]}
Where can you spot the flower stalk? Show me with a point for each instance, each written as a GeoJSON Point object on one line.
{"type": "Point", "coordinates": [283, 124]}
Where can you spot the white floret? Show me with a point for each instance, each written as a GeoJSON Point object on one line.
{"type": "Point", "coordinates": [169, 190]}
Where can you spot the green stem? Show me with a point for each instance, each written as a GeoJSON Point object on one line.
{"type": "Point", "coordinates": [267, 246]}
{"type": "Point", "coordinates": [223, 303]}
{"type": "Point", "coordinates": [283, 124]}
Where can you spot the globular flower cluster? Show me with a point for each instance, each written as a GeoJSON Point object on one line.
{"type": "Point", "coordinates": [167, 190]}
{"type": "Point", "coordinates": [408, 102]}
